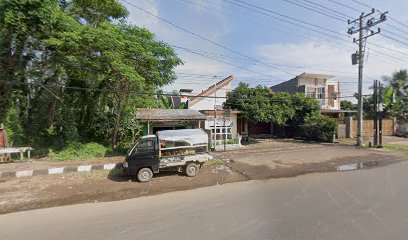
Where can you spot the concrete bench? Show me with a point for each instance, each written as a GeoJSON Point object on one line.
{"type": "Point", "coordinates": [19, 150]}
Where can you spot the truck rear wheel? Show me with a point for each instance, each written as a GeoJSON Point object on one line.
{"type": "Point", "coordinates": [144, 175]}
{"type": "Point", "coordinates": [191, 170]}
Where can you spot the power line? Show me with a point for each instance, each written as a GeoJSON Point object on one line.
{"type": "Point", "coordinates": [344, 5]}
{"type": "Point", "coordinates": [281, 15]}
{"type": "Point", "coordinates": [204, 38]}
{"type": "Point", "coordinates": [394, 39]}
{"type": "Point", "coordinates": [106, 90]}
{"type": "Point", "coordinates": [385, 30]}
{"type": "Point", "coordinates": [328, 9]}
{"type": "Point", "coordinates": [234, 65]}
{"type": "Point", "coordinates": [314, 30]}
{"type": "Point", "coordinates": [314, 10]}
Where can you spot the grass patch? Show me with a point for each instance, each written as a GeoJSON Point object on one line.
{"type": "Point", "coordinates": [78, 151]}
{"type": "Point", "coordinates": [215, 161]}
{"type": "Point", "coordinates": [395, 147]}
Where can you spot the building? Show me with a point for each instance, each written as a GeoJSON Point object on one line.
{"type": "Point", "coordinates": [226, 125]}
{"type": "Point", "coordinates": [155, 119]}
{"type": "Point", "coordinates": [317, 86]}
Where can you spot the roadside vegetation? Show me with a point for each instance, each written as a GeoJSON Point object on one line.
{"type": "Point", "coordinates": [395, 147]}
{"type": "Point", "coordinates": [68, 68]}
{"type": "Point", "coordinates": [261, 104]}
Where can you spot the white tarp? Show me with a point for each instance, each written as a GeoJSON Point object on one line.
{"type": "Point", "coordinates": [191, 136]}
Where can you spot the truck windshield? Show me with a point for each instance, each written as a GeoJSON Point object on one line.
{"type": "Point", "coordinates": [144, 146]}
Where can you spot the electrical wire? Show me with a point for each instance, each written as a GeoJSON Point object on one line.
{"type": "Point", "coordinates": [204, 38]}
{"type": "Point", "coordinates": [106, 90]}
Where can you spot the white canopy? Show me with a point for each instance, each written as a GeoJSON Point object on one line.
{"type": "Point", "coordinates": [191, 136]}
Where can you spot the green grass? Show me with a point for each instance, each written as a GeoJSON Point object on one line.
{"type": "Point", "coordinates": [215, 161]}
{"type": "Point", "coordinates": [78, 151]}
{"type": "Point", "coordinates": [395, 147]}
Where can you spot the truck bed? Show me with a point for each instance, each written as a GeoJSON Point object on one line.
{"type": "Point", "coordinates": [183, 159]}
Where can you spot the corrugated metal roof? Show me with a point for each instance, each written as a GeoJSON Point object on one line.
{"type": "Point", "coordinates": [168, 114]}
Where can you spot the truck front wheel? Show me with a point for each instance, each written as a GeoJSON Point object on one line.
{"type": "Point", "coordinates": [191, 170]}
{"type": "Point", "coordinates": [144, 175]}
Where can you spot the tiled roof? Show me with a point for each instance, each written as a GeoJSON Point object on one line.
{"type": "Point", "coordinates": [168, 114]}
{"type": "Point", "coordinates": [210, 90]}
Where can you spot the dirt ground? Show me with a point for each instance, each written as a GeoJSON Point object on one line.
{"type": "Point", "coordinates": [270, 158]}
{"type": "Point", "coordinates": [72, 188]}
{"type": "Point", "coordinates": [267, 158]}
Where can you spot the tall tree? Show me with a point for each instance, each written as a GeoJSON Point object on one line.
{"type": "Point", "coordinates": [71, 68]}
{"type": "Point", "coordinates": [396, 95]}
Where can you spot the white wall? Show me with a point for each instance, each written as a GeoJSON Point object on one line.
{"type": "Point", "coordinates": [208, 103]}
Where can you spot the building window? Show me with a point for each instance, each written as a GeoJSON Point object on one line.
{"type": "Point", "coordinates": [311, 94]}
{"type": "Point", "coordinates": [320, 92]}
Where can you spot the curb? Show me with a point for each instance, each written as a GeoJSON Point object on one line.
{"type": "Point", "coordinates": [59, 170]}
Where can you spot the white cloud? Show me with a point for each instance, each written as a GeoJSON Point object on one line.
{"type": "Point", "coordinates": [142, 19]}
{"type": "Point", "coordinates": [314, 56]}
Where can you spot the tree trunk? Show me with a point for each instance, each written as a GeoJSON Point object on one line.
{"type": "Point", "coordinates": [117, 123]}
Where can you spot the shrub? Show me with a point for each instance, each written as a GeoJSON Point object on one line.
{"type": "Point", "coordinates": [319, 128]}
{"type": "Point", "coordinates": [79, 151]}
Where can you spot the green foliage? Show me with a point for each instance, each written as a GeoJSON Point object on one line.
{"type": "Point", "coordinates": [78, 151]}
{"type": "Point", "coordinates": [347, 105]}
{"type": "Point", "coordinates": [82, 44]}
{"type": "Point", "coordinates": [14, 128]}
{"type": "Point", "coordinates": [260, 104]}
{"type": "Point", "coordinates": [396, 95]}
{"type": "Point", "coordinates": [319, 128]}
{"type": "Point", "coordinates": [214, 162]}
{"type": "Point", "coordinates": [398, 147]}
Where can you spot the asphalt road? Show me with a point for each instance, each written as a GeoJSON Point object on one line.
{"type": "Point", "coordinates": [364, 204]}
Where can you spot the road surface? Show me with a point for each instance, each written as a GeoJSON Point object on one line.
{"type": "Point", "coordinates": [364, 204]}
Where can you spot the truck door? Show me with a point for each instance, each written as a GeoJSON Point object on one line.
{"type": "Point", "coordinates": [144, 154]}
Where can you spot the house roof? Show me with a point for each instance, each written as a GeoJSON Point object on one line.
{"type": "Point", "coordinates": [315, 75]}
{"type": "Point", "coordinates": [154, 114]}
{"type": "Point", "coordinates": [210, 90]}
{"type": "Point", "coordinates": [337, 111]}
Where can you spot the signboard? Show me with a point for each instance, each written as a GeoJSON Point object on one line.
{"type": "Point", "coordinates": [227, 112]}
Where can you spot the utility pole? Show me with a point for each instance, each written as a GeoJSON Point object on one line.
{"type": "Point", "coordinates": [215, 114]}
{"type": "Point", "coordinates": [364, 32]}
{"type": "Point", "coordinates": [375, 112]}
{"type": "Point", "coordinates": [380, 112]}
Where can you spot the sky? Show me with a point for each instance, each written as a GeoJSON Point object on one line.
{"type": "Point", "coordinates": [270, 41]}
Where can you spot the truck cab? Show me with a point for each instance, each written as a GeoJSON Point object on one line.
{"type": "Point", "coordinates": [144, 154]}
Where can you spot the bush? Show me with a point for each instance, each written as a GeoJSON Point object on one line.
{"type": "Point", "coordinates": [319, 128]}
{"type": "Point", "coordinates": [79, 151]}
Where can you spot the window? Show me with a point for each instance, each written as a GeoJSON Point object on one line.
{"type": "Point", "coordinates": [144, 146]}
{"type": "Point", "coordinates": [320, 92]}
{"type": "Point", "coordinates": [311, 94]}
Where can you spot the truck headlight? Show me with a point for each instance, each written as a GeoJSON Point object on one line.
{"type": "Point", "coordinates": [125, 164]}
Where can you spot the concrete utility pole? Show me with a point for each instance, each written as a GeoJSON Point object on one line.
{"type": "Point", "coordinates": [364, 32]}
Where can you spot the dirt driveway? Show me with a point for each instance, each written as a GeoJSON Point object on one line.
{"type": "Point", "coordinates": [270, 158]}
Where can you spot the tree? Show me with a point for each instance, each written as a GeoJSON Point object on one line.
{"type": "Point", "coordinates": [347, 105]}
{"type": "Point", "coordinates": [260, 104]}
{"type": "Point", "coordinates": [71, 69]}
{"type": "Point", "coordinates": [396, 95]}
{"type": "Point", "coordinates": [254, 102]}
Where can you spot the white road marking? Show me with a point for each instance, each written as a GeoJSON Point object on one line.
{"type": "Point", "coordinates": [84, 168]}
{"type": "Point", "coordinates": [27, 173]}
{"type": "Point", "coordinates": [55, 170]}
{"type": "Point", "coordinates": [109, 166]}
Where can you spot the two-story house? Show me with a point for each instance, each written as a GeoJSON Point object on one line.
{"type": "Point", "coordinates": [317, 86]}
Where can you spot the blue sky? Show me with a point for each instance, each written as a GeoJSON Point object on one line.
{"type": "Point", "coordinates": [277, 50]}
